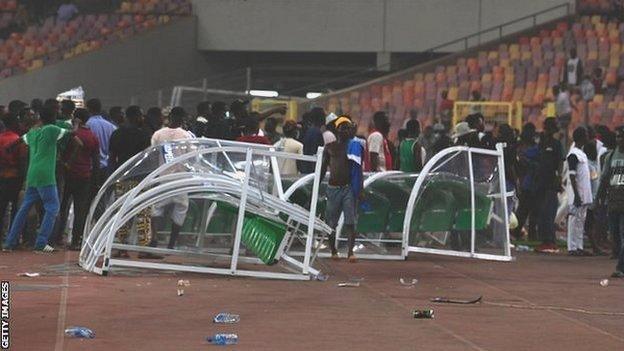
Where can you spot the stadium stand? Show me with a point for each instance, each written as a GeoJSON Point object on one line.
{"type": "Point", "coordinates": [523, 71]}
{"type": "Point", "coordinates": [53, 40]}
{"type": "Point", "coordinates": [599, 6]}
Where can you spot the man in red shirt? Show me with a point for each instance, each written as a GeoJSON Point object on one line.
{"type": "Point", "coordinates": [446, 110]}
{"type": "Point", "coordinates": [79, 164]}
{"type": "Point", "coordinates": [251, 127]}
{"type": "Point", "coordinates": [12, 167]}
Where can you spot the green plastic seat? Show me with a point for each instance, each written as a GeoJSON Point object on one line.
{"type": "Point", "coordinates": [461, 193]}
{"type": "Point", "coordinates": [375, 219]}
{"type": "Point", "coordinates": [263, 237]}
{"type": "Point", "coordinates": [260, 235]}
{"type": "Point", "coordinates": [397, 196]}
{"type": "Point", "coordinates": [434, 210]}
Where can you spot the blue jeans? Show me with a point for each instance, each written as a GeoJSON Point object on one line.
{"type": "Point", "coordinates": [548, 212]}
{"type": "Point", "coordinates": [340, 199]}
{"type": "Point", "coordinates": [49, 196]}
{"type": "Point", "coordinates": [616, 227]}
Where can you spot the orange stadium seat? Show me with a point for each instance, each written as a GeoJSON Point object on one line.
{"type": "Point", "coordinates": [522, 69]}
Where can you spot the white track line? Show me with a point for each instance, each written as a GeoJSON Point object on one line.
{"type": "Point", "coordinates": [60, 322]}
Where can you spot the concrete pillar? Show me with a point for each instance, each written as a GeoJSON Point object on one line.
{"type": "Point", "coordinates": [383, 61]}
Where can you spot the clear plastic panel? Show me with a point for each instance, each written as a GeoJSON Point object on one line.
{"type": "Point", "coordinates": [380, 215]}
{"type": "Point", "coordinates": [451, 213]}
{"type": "Point", "coordinates": [441, 218]}
{"type": "Point", "coordinates": [227, 163]}
{"type": "Point", "coordinates": [491, 234]}
{"type": "Point", "coordinates": [202, 192]}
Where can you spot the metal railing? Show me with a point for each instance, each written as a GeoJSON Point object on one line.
{"type": "Point", "coordinates": [500, 28]}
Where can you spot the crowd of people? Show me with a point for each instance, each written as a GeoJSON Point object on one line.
{"type": "Point", "coordinates": [58, 154]}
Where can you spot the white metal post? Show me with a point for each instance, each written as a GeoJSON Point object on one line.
{"type": "Point", "coordinates": [277, 177]}
{"type": "Point", "coordinates": [472, 203]}
{"type": "Point", "coordinates": [174, 92]}
{"type": "Point", "coordinates": [503, 190]}
{"type": "Point", "coordinates": [312, 218]}
{"type": "Point", "coordinates": [208, 210]}
{"type": "Point", "coordinates": [241, 212]}
{"type": "Point", "coordinates": [411, 202]}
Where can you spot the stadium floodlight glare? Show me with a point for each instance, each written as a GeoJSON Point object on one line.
{"type": "Point", "coordinates": [263, 93]}
{"type": "Point", "coordinates": [313, 95]}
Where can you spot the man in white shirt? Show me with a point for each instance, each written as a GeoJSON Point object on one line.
{"type": "Point", "coordinates": [563, 109]}
{"type": "Point", "coordinates": [178, 204]}
{"type": "Point", "coordinates": [579, 192]}
{"type": "Point", "coordinates": [573, 69]}
{"type": "Point", "coordinates": [380, 156]}
{"type": "Point", "coordinates": [174, 130]}
{"type": "Point", "coordinates": [288, 167]}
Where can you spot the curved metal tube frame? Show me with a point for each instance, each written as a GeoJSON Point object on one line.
{"type": "Point", "coordinates": [429, 168]}
{"type": "Point", "coordinates": [162, 186]}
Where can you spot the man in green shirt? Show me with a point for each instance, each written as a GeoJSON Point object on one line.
{"type": "Point", "coordinates": [40, 180]}
{"type": "Point", "coordinates": [64, 111]}
{"type": "Point", "coordinates": [611, 193]}
{"type": "Point", "coordinates": [411, 154]}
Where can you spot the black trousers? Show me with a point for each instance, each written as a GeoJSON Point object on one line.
{"type": "Point", "coordinates": [527, 213]}
{"type": "Point", "coordinates": [99, 177]}
{"type": "Point", "coordinates": [78, 191]}
{"type": "Point", "coordinates": [9, 194]}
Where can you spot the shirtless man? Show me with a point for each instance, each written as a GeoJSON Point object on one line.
{"type": "Point", "coordinates": [344, 159]}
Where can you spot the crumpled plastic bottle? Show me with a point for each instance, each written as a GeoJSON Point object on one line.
{"type": "Point", "coordinates": [226, 318]}
{"type": "Point", "coordinates": [223, 339]}
{"type": "Point", "coordinates": [80, 332]}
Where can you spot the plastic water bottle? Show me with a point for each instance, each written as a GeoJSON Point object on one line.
{"type": "Point", "coordinates": [523, 248]}
{"type": "Point", "coordinates": [223, 339]}
{"type": "Point", "coordinates": [226, 318]}
{"type": "Point", "coordinates": [80, 332]}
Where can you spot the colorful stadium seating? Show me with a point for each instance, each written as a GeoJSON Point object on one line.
{"type": "Point", "coordinates": [524, 71]}
{"type": "Point", "coordinates": [53, 41]}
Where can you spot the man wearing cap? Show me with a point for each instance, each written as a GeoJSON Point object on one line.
{"type": "Point", "coordinates": [329, 135]}
{"type": "Point", "coordinates": [344, 160]}
{"type": "Point", "coordinates": [463, 135]}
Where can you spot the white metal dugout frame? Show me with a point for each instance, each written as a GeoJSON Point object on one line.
{"type": "Point", "coordinates": [231, 187]}
{"type": "Point", "coordinates": [432, 166]}
{"type": "Point", "coordinates": [234, 187]}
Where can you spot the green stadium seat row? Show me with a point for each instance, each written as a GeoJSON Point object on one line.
{"type": "Point", "coordinates": [444, 205]}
